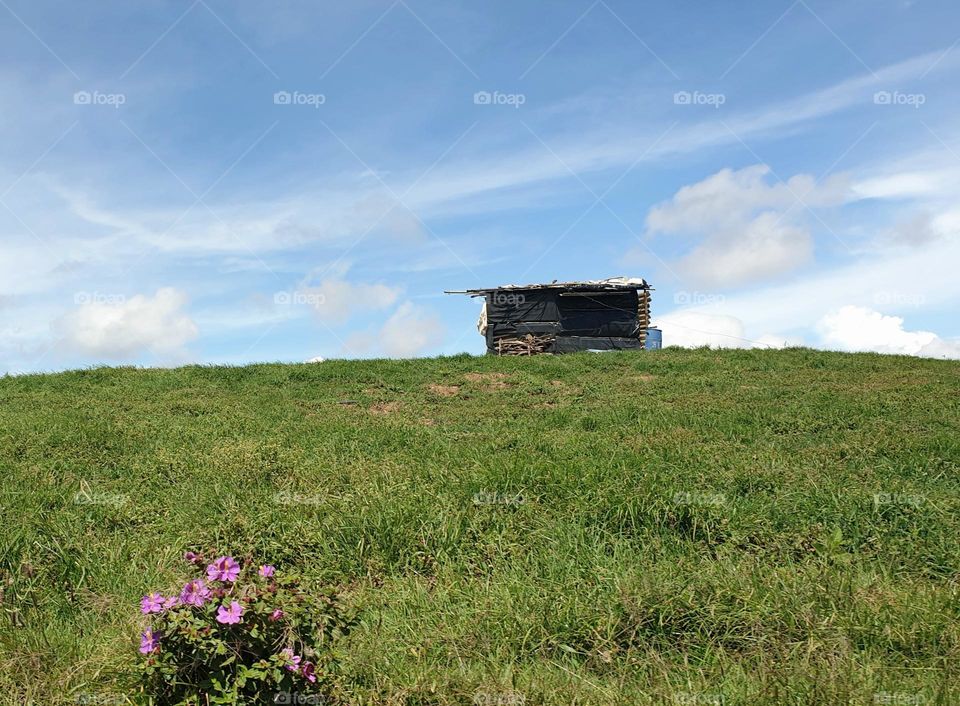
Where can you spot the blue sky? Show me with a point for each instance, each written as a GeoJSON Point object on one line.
{"type": "Point", "coordinates": [226, 182]}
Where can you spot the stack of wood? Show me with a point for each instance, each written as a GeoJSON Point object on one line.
{"type": "Point", "coordinates": [525, 345]}
{"type": "Point", "coordinates": [643, 315]}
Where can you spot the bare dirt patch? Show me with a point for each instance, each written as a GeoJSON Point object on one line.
{"type": "Point", "coordinates": [384, 407]}
{"type": "Point", "coordinates": [490, 381]}
{"type": "Point", "coordinates": [443, 390]}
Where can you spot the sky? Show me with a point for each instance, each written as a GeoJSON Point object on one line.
{"type": "Point", "coordinates": [229, 181]}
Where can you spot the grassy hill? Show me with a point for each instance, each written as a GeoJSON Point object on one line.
{"type": "Point", "coordinates": [765, 527]}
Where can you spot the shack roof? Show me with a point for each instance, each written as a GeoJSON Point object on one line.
{"type": "Point", "coordinates": [612, 284]}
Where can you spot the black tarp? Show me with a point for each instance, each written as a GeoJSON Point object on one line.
{"type": "Point", "coordinates": [524, 305]}
{"type": "Point", "coordinates": [580, 320]}
{"type": "Point", "coordinates": [609, 314]}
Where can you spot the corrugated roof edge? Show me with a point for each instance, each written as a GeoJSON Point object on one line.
{"type": "Point", "coordinates": [612, 283]}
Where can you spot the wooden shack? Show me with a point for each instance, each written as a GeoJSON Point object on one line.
{"type": "Point", "coordinates": [562, 317]}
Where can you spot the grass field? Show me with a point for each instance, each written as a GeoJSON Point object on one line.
{"type": "Point", "coordinates": [680, 527]}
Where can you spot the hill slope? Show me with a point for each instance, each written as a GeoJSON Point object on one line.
{"type": "Point", "coordinates": [766, 526]}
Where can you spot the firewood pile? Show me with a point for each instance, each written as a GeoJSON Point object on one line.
{"type": "Point", "coordinates": [643, 315]}
{"type": "Point", "coordinates": [524, 345]}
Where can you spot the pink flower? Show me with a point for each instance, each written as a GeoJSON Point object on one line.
{"type": "Point", "coordinates": [191, 557]}
{"type": "Point", "coordinates": [267, 570]}
{"type": "Point", "coordinates": [223, 568]}
{"type": "Point", "coordinates": [292, 660]}
{"type": "Point", "coordinates": [276, 615]}
{"type": "Point", "coordinates": [151, 603]}
{"type": "Point", "coordinates": [231, 615]}
{"type": "Point", "coordinates": [307, 671]}
{"type": "Point", "coordinates": [149, 642]}
{"type": "Point", "coordinates": [171, 602]}
{"type": "Point", "coordinates": [195, 593]}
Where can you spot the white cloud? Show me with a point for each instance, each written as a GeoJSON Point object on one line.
{"type": "Point", "coordinates": [125, 328]}
{"type": "Point", "coordinates": [335, 300]}
{"type": "Point", "coordinates": [409, 331]}
{"type": "Point", "coordinates": [848, 328]}
{"type": "Point", "coordinates": [901, 281]}
{"type": "Point", "coordinates": [726, 198]}
{"type": "Point", "coordinates": [906, 184]}
{"type": "Point", "coordinates": [689, 329]}
{"type": "Point", "coordinates": [858, 328]}
{"type": "Point", "coordinates": [692, 329]}
{"type": "Point", "coordinates": [898, 280]}
{"type": "Point", "coordinates": [761, 247]}
{"type": "Point", "coordinates": [743, 226]}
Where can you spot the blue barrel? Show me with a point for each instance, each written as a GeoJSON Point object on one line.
{"type": "Point", "coordinates": [654, 339]}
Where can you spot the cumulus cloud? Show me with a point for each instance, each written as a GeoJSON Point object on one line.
{"type": "Point", "coordinates": [849, 328]}
{"type": "Point", "coordinates": [725, 198]}
{"type": "Point", "coordinates": [745, 228]}
{"type": "Point", "coordinates": [857, 328]}
{"type": "Point", "coordinates": [335, 300]}
{"type": "Point", "coordinates": [763, 246]}
{"type": "Point", "coordinates": [409, 331]}
{"type": "Point", "coordinates": [122, 328]}
{"type": "Point", "coordinates": [692, 329]}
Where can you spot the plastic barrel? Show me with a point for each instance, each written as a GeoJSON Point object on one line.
{"type": "Point", "coordinates": [654, 340]}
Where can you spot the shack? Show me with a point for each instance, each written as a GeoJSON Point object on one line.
{"type": "Point", "coordinates": [562, 317]}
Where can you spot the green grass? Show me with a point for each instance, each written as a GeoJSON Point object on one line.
{"type": "Point", "coordinates": [693, 525]}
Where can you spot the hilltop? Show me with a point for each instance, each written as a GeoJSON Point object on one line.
{"type": "Point", "coordinates": [769, 527]}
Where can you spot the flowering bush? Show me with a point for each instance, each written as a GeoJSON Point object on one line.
{"type": "Point", "coordinates": [240, 634]}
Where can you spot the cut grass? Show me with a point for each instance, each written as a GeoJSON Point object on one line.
{"type": "Point", "coordinates": [761, 527]}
